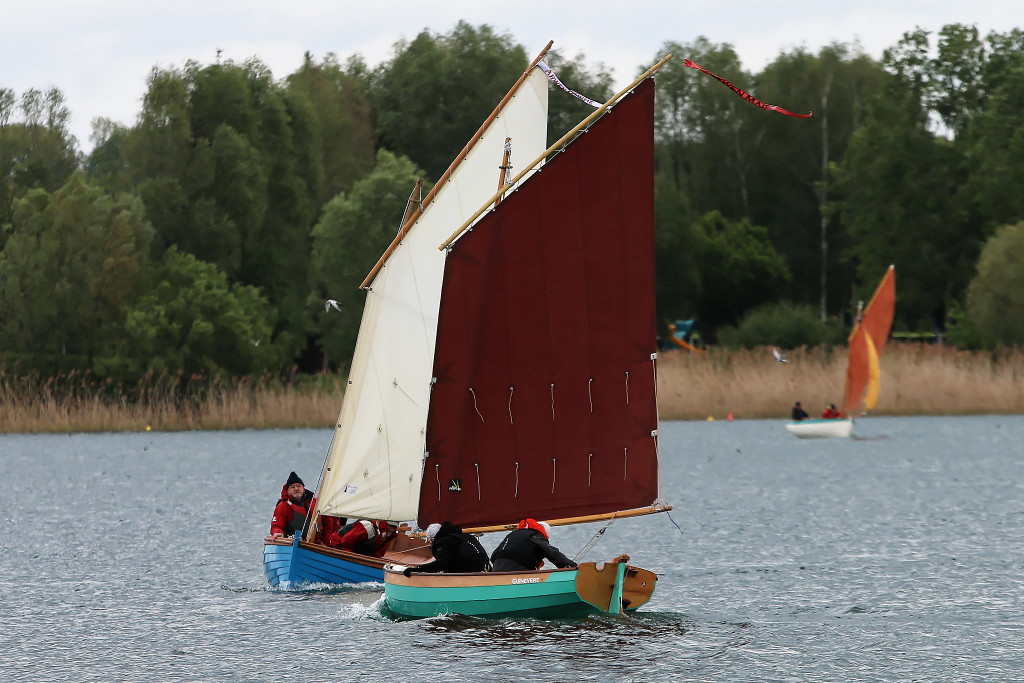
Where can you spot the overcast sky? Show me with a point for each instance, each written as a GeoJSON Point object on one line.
{"type": "Point", "coordinates": [100, 52]}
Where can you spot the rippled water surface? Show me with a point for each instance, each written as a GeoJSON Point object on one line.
{"type": "Point", "coordinates": [894, 556]}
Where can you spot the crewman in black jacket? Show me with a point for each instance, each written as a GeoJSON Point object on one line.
{"type": "Point", "coordinates": [526, 548]}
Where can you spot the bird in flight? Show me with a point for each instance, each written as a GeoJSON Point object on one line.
{"type": "Point", "coordinates": [332, 303]}
{"type": "Point", "coordinates": [778, 356]}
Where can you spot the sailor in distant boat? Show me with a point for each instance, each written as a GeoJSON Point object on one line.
{"type": "Point", "coordinates": [290, 513]}
{"type": "Point", "coordinates": [830, 412]}
{"type": "Point", "coordinates": [364, 536]}
{"type": "Point", "coordinates": [798, 412]}
{"type": "Point", "coordinates": [526, 548]}
{"type": "Point", "coordinates": [453, 550]}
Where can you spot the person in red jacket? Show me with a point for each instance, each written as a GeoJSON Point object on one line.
{"type": "Point", "coordinates": [290, 513]}
{"type": "Point", "coordinates": [831, 413]}
{"type": "Point", "coordinates": [365, 536]}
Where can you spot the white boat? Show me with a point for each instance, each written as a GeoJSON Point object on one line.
{"type": "Point", "coordinates": [866, 342]}
{"type": "Point", "coordinates": [841, 428]}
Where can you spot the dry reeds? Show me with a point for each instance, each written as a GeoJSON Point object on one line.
{"type": "Point", "coordinates": [76, 402]}
{"type": "Point", "coordinates": [915, 380]}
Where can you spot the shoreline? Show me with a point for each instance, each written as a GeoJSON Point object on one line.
{"type": "Point", "coordinates": [915, 380]}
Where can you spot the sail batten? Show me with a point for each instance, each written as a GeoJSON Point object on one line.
{"type": "Point", "coordinates": [550, 300]}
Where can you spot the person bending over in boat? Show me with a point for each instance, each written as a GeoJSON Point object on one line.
{"type": "Point", "coordinates": [798, 412]}
{"type": "Point", "coordinates": [526, 548]}
{"type": "Point", "coordinates": [453, 550]}
{"type": "Point", "coordinates": [290, 513]}
{"type": "Point", "coordinates": [830, 412]}
{"type": "Point", "coordinates": [365, 536]}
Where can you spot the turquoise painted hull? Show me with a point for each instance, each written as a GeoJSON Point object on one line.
{"type": "Point", "coordinates": [554, 593]}
{"type": "Point", "coordinates": [293, 565]}
{"type": "Point", "coordinates": [556, 597]}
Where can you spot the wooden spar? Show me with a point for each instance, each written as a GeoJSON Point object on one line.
{"type": "Point", "coordinates": [553, 148]}
{"type": "Point", "coordinates": [504, 168]}
{"type": "Point", "coordinates": [654, 509]}
{"type": "Point", "coordinates": [447, 174]}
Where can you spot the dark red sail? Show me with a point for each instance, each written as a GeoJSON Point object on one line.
{"type": "Point", "coordinates": [544, 404]}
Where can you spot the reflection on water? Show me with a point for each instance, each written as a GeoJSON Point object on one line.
{"type": "Point", "coordinates": [893, 556]}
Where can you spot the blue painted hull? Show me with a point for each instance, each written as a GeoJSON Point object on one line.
{"type": "Point", "coordinates": [299, 563]}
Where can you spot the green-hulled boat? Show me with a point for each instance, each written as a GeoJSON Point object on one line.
{"type": "Point", "coordinates": [543, 398]}
{"type": "Point", "coordinates": [592, 587]}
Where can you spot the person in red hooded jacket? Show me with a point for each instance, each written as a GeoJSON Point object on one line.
{"type": "Point", "coordinates": [290, 513]}
{"type": "Point", "coordinates": [526, 548]}
{"type": "Point", "coordinates": [365, 536]}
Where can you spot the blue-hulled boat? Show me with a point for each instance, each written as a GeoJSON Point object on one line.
{"type": "Point", "coordinates": [374, 465]}
{"type": "Point", "coordinates": [290, 562]}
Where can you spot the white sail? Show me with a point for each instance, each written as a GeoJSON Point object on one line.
{"type": "Point", "coordinates": [375, 463]}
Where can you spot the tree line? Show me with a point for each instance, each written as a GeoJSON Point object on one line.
{"type": "Point", "coordinates": [205, 237]}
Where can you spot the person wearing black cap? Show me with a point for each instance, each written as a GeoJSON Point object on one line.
{"type": "Point", "coordinates": [798, 412]}
{"type": "Point", "coordinates": [290, 513]}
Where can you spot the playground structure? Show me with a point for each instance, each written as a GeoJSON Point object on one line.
{"type": "Point", "coordinates": [678, 331]}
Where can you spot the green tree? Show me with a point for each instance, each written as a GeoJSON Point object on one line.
{"type": "Point", "coordinates": [343, 123]}
{"type": "Point", "coordinates": [994, 143]}
{"type": "Point", "coordinates": [704, 132]}
{"type": "Point", "coordinates": [741, 270]}
{"type": "Point", "coordinates": [194, 321]}
{"type": "Point", "coordinates": [995, 297]}
{"type": "Point", "coordinates": [784, 324]}
{"type": "Point", "coordinates": [36, 149]}
{"type": "Point", "coordinates": [790, 176]}
{"type": "Point", "coordinates": [74, 260]}
{"type": "Point", "coordinates": [433, 95]}
{"type": "Point", "coordinates": [896, 191]}
{"type": "Point", "coordinates": [679, 251]}
{"type": "Point", "coordinates": [228, 163]}
{"type": "Point", "coordinates": [354, 231]}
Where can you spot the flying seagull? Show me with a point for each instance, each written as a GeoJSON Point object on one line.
{"type": "Point", "coordinates": [778, 356]}
{"type": "Point", "coordinates": [331, 302]}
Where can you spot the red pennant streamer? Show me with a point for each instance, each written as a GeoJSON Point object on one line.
{"type": "Point", "coordinates": [745, 95]}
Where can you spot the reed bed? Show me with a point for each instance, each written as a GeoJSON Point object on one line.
{"type": "Point", "coordinates": [915, 380]}
{"type": "Point", "coordinates": [78, 403]}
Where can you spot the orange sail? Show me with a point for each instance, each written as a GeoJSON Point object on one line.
{"type": "Point", "coordinates": [866, 344]}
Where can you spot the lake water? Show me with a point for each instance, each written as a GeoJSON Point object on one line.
{"type": "Point", "coordinates": [895, 556]}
